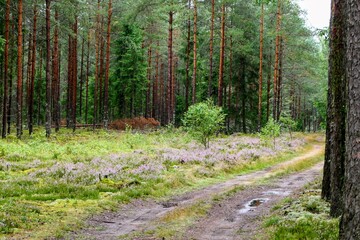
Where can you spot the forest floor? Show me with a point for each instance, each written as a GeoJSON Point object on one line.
{"type": "Point", "coordinates": [234, 209]}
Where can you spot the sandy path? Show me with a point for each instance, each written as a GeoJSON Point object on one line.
{"type": "Point", "coordinates": [225, 221]}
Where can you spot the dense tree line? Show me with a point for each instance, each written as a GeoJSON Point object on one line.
{"type": "Point", "coordinates": [91, 62]}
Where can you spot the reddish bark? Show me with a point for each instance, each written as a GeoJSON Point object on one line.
{"type": "Point", "coordinates": [195, 55]}
{"type": "Point", "coordinates": [19, 92]}
{"type": "Point", "coordinates": [261, 65]}
{"type": "Point", "coordinates": [222, 55]}
{"type": "Point", "coordinates": [211, 47]}
{"type": "Point", "coordinates": [106, 85]}
{"type": "Point", "coordinates": [6, 66]}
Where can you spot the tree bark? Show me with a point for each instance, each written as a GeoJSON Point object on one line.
{"type": "Point", "coordinates": [222, 57]}
{"type": "Point", "coordinates": [333, 180]}
{"type": "Point", "coordinates": [350, 221]}
{"type": "Point", "coordinates": [211, 48]}
{"type": "Point", "coordinates": [48, 74]}
{"type": "Point", "coordinates": [261, 66]}
{"type": "Point", "coordinates": [195, 55]}
{"type": "Point", "coordinates": [187, 83]}
{"type": "Point", "coordinates": [6, 67]}
{"type": "Point", "coordinates": [106, 84]}
{"type": "Point", "coordinates": [32, 77]}
{"type": "Point", "coordinates": [170, 68]}
{"type": "Point", "coordinates": [56, 74]}
{"type": "Point", "coordinates": [277, 53]}
{"type": "Point", "coordinates": [19, 94]}
{"type": "Point", "coordinates": [87, 79]}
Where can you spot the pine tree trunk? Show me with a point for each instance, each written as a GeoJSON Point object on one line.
{"type": "Point", "coordinates": [32, 77]}
{"type": "Point", "coordinates": [333, 180]}
{"type": "Point", "coordinates": [195, 55]}
{"type": "Point", "coordinates": [230, 83]}
{"type": "Point", "coordinates": [48, 74]}
{"type": "Point", "coordinates": [19, 71]}
{"type": "Point", "coordinates": [106, 84]}
{"type": "Point", "coordinates": [187, 83]}
{"type": "Point", "coordinates": [81, 78]}
{"type": "Point", "coordinates": [268, 87]}
{"type": "Point", "coordinates": [222, 54]}
{"type": "Point", "coordinates": [155, 85]}
{"type": "Point", "coordinates": [261, 66]}
{"type": "Point", "coordinates": [56, 74]}
{"type": "Point", "coordinates": [170, 68]}
{"type": "Point", "coordinates": [149, 77]}
{"type": "Point", "coordinates": [97, 43]}
{"type": "Point", "coordinates": [277, 53]}
{"type": "Point", "coordinates": [279, 82]}
{"type": "Point", "coordinates": [87, 80]}
{"type": "Point", "coordinates": [211, 48]}
{"type": "Point", "coordinates": [74, 76]}
{"type": "Point", "coordinates": [6, 67]}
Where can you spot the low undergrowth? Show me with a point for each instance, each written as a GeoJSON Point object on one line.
{"type": "Point", "coordinates": [305, 216]}
{"type": "Point", "coordinates": [48, 186]}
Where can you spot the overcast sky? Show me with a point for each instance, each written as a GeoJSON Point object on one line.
{"type": "Point", "coordinates": [318, 12]}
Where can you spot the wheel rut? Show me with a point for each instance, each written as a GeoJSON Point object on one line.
{"type": "Point", "coordinates": [233, 218]}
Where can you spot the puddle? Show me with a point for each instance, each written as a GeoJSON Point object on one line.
{"type": "Point", "coordinates": [253, 204]}
{"type": "Point", "coordinates": [277, 192]}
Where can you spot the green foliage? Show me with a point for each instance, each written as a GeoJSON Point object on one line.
{"type": "Point", "coordinates": [129, 80]}
{"type": "Point", "coordinates": [203, 120]}
{"type": "Point", "coordinates": [288, 123]}
{"type": "Point", "coordinates": [271, 131]}
{"type": "Point", "coordinates": [2, 44]}
{"type": "Point", "coordinates": [306, 217]}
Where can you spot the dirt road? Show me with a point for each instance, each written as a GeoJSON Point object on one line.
{"type": "Point", "coordinates": [235, 217]}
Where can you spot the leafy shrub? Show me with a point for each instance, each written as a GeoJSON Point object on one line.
{"type": "Point", "coordinates": [203, 120]}
{"type": "Point", "coordinates": [271, 130]}
{"type": "Point", "coordinates": [289, 123]}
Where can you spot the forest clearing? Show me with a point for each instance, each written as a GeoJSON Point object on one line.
{"type": "Point", "coordinates": [179, 119]}
{"type": "Point", "coordinates": [49, 188]}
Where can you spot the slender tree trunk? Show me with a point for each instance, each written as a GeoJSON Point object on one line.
{"type": "Point", "coordinates": [32, 77]}
{"type": "Point", "coordinates": [56, 74]}
{"type": "Point", "coordinates": [170, 68]}
{"type": "Point", "coordinates": [106, 84]}
{"type": "Point", "coordinates": [149, 77]}
{"type": "Point", "coordinates": [187, 83]}
{"type": "Point", "coordinates": [222, 54]}
{"type": "Point", "coordinates": [39, 88]}
{"type": "Point", "coordinates": [195, 55]}
{"type": "Point", "coordinates": [87, 79]}
{"type": "Point", "coordinates": [97, 43]}
{"type": "Point", "coordinates": [74, 76]}
{"type": "Point", "coordinates": [48, 75]}
{"type": "Point", "coordinates": [156, 84]}
{"type": "Point", "coordinates": [81, 78]}
{"type": "Point", "coordinates": [279, 82]}
{"type": "Point", "coordinates": [230, 83]}
{"type": "Point", "coordinates": [211, 48]}
{"type": "Point", "coordinates": [6, 66]}
{"type": "Point", "coordinates": [19, 94]}
{"type": "Point", "coordinates": [28, 78]}
{"type": "Point", "coordinates": [261, 66]}
{"type": "Point", "coordinates": [268, 88]}
{"type": "Point", "coordinates": [277, 53]}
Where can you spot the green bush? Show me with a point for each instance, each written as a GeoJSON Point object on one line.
{"type": "Point", "coordinates": [203, 120]}
{"type": "Point", "coordinates": [271, 131]}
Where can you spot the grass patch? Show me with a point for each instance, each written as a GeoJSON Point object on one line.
{"type": "Point", "coordinates": [303, 217]}
{"type": "Point", "coordinates": [71, 176]}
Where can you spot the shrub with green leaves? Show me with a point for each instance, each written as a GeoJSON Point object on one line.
{"type": "Point", "coordinates": [203, 120]}
{"type": "Point", "coordinates": [289, 123]}
{"type": "Point", "coordinates": [271, 131]}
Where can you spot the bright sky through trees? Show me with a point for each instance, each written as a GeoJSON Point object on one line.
{"type": "Point", "coordinates": [318, 12]}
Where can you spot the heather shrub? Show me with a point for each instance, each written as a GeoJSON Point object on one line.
{"type": "Point", "coordinates": [203, 120]}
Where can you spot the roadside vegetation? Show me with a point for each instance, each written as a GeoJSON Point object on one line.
{"type": "Point", "coordinates": [303, 216]}
{"type": "Point", "coordinates": [49, 187]}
